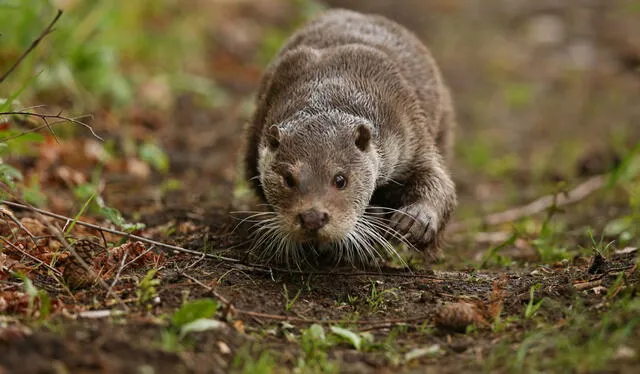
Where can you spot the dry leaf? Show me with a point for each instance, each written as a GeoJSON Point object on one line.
{"type": "Point", "coordinates": [239, 325]}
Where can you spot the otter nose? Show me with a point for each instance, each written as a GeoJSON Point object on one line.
{"type": "Point", "coordinates": [313, 219]}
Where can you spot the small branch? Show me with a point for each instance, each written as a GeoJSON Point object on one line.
{"type": "Point", "coordinates": [139, 256]}
{"type": "Point", "coordinates": [60, 236]}
{"type": "Point", "coordinates": [34, 258]}
{"type": "Point", "coordinates": [47, 124]}
{"type": "Point", "coordinates": [117, 277]}
{"type": "Point", "coordinates": [7, 213]}
{"type": "Point", "coordinates": [540, 205]}
{"type": "Point", "coordinates": [33, 45]}
{"type": "Point", "coordinates": [238, 263]}
{"type": "Point", "coordinates": [208, 288]}
{"type": "Point", "coordinates": [117, 232]}
{"type": "Point", "coordinates": [587, 285]}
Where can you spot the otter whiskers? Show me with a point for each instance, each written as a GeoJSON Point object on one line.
{"type": "Point", "coordinates": [366, 243]}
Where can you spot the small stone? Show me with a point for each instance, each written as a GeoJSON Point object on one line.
{"type": "Point", "coordinates": [624, 352]}
{"type": "Point", "coordinates": [546, 29]}
{"type": "Point", "coordinates": [224, 348]}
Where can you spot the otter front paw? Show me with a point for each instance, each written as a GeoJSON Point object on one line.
{"type": "Point", "coordinates": [417, 222]}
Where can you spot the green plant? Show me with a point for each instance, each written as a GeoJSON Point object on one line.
{"type": "Point", "coordinates": [376, 298]}
{"type": "Point", "coordinates": [532, 305]}
{"type": "Point", "coordinates": [193, 311]}
{"type": "Point", "coordinates": [493, 257]}
{"type": "Point", "coordinates": [154, 156]}
{"type": "Point", "coordinates": [243, 362]}
{"type": "Point", "coordinates": [89, 193]}
{"type": "Point", "coordinates": [146, 291]}
{"type": "Point", "coordinates": [359, 341]}
{"type": "Point", "coordinates": [289, 302]}
{"type": "Point", "coordinates": [587, 341]}
{"type": "Point", "coordinates": [16, 143]}
{"type": "Point", "coordinates": [314, 345]}
{"type": "Point", "coordinates": [9, 176]}
{"type": "Point", "coordinates": [548, 243]}
{"type": "Point", "coordinates": [193, 316]}
{"type": "Point", "coordinates": [36, 297]}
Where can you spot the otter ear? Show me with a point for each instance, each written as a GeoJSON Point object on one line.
{"type": "Point", "coordinates": [273, 137]}
{"type": "Point", "coordinates": [363, 137]}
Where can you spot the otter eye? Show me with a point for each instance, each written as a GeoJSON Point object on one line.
{"type": "Point", "coordinates": [289, 180]}
{"type": "Point", "coordinates": [340, 181]}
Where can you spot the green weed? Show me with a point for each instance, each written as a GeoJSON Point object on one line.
{"type": "Point", "coordinates": [289, 302]}
{"type": "Point", "coordinates": [89, 193]}
{"type": "Point", "coordinates": [193, 316]}
{"type": "Point", "coordinates": [359, 341]}
{"type": "Point", "coordinates": [36, 298]}
{"type": "Point", "coordinates": [243, 362]}
{"type": "Point", "coordinates": [492, 256]}
{"type": "Point", "coordinates": [627, 177]}
{"type": "Point", "coordinates": [314, 345]}
{"type": "Point", "coordinates": [376, 298]}
{"type": "Point", "coordinates": [586, 343]}
{"type": "Point", "coordinates": [532, 306]}
{"type": "Point", "coordinates": [147, 292]}
{"type": "Point", "coordinates": [154, 156]}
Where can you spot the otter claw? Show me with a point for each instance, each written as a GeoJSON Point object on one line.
{"type": "Point", "coordinates": [416, 222]}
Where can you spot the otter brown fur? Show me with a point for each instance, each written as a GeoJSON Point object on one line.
{"type": "Point", "coordinates": [352, 114]}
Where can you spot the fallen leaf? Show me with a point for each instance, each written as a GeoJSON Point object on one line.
{"type": "Point", "coordinates": [421, 352]}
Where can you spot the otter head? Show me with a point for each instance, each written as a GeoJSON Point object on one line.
{"type": "Point", "coordinates": [318, 174]}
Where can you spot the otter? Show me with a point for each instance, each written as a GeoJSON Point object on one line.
{"type": "Point", "coordinates": [349, 142]}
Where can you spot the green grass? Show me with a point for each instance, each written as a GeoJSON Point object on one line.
{"type": "Point", "coordinates": [101, 51]}
{"type": "Point", "coordinates": [586, 341]}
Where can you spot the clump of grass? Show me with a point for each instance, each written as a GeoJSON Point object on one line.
{"type": "Point", "coordinates": [532, 305]}
{"type": "Point", "coordinates": [147, 291]}
{"type": "Point", "coordinates": [315, 344]}
{"type": "Point", "coordinates": [290, 301]}
{"type": "Point", "coordinates": [587, 342]}
{"type": "Point", "coordinates": [376, 298]}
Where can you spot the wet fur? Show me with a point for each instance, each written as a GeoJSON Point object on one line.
{"type": "Point", "coordinates": [349, 65]}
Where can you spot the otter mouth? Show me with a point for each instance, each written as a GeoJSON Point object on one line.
{"type": "Point", "coordinates": [311, 237]}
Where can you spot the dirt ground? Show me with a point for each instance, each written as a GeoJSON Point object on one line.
{"type": "Point", "coordinates": [537, 109]}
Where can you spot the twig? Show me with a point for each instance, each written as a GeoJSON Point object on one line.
{"type": "Point", "coordinates": [139, 256]}
{"type": "Point", "coordinates": [587, 285]}
{"type": "Point", "coordinates": [20, 225]}
{"type": "Point", "coordinates": [45, 118]}
{"type": "Point", "coordinates": [117, 277]}
{"type": "Point", "coordinates": [579, 193]}
{"type": "Point", "coordinates": [60, 236]}
{"type": "Point", "coordinates": [236, 262]}
{"type": "Point", "coordinates": [34, 258]}
{"type": "Point", "coordinates": [33, 45]}
{"type": "Point", "coordinates": [119, 233]}
{"type": "Point", "coordinates": [208, 288]}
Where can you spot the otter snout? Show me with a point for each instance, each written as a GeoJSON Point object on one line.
{"type": "Point", "coordinates": [313, 219]}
